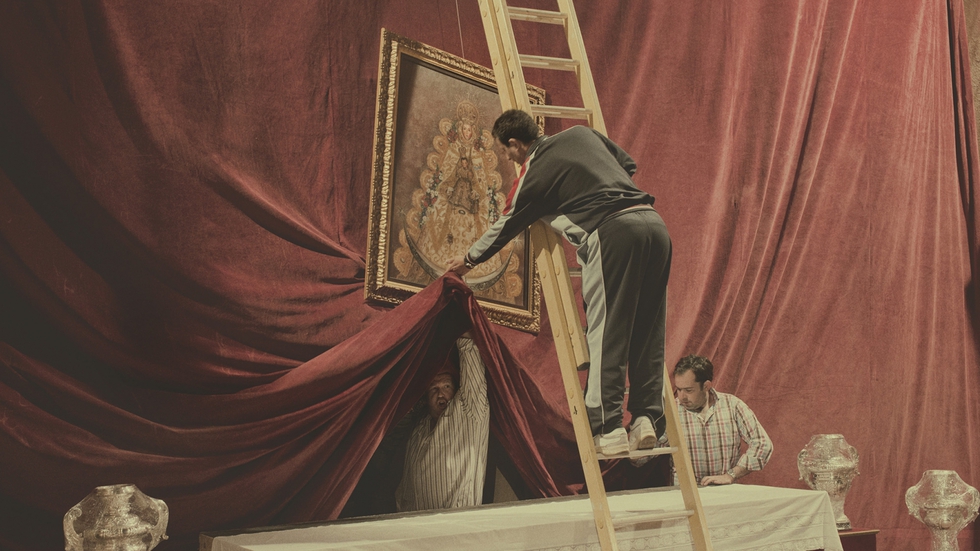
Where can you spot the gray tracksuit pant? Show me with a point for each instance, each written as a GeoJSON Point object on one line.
{"type": "Point", "coordinates": [624, 285]}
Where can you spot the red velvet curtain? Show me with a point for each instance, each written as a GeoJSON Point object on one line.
{"type": "Point", "coordinates": [183, 219]}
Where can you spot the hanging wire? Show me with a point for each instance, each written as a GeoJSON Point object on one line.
{"type": "Point", "coordinates": [460, 26]}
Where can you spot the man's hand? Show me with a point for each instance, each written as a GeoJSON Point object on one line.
{"type": "Point", "coordinates": [718, 480]}
{"type": "Point", "coordinates": [458, 265]}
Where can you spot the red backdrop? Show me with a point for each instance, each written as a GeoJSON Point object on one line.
{"type": "Point", "coordinates": [183, 221]}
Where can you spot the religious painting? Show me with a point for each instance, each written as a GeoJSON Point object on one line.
{"type": "Point", "coordinates": [439, 183]}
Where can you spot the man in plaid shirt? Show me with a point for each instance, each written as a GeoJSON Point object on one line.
{"type": "Point", "coordinates": [716, 424]}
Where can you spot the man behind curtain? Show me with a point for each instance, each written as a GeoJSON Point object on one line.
{"type": "Point", "coordinates": [446, 457]}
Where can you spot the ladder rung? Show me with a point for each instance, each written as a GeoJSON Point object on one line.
{"type": "Point", "coordinates": [650, 517]}
{"type": "Point", "coordinates": [545, 62]}
{"type": "Point", "coordinates": [637, 454]}
{"type": "Point", "coordinates": [538, 16]}
{"type": "Point", "coordinates": [559, 112]}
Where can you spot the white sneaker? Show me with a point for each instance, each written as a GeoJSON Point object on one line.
{"type": "Point", "coordinates": [642, 434]}
{"type": "Point", "coordinates": [614, 443]}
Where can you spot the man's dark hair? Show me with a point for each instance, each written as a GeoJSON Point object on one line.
{"type": "Point", "coordinates": [517, 124]}
{"type": "Point", "coordinates": [701, 366]}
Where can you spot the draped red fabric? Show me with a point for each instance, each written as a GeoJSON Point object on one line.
{"type": "Point", "coordinates": [184, 194]}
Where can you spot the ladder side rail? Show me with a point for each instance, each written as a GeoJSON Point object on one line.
{"type": "Point", "coordinates": [545, 242]}
{"type": "Point", "coordinates": [498, 56]}
{"type": "Point", "coordinates": [511, 59]}
{"type": "Point", "coordinates": [685, 469]}
{"type": "Point", "coordinates": [510, 76]}
{"type": "Point", "coordinates": [576, 46]}
{"type": "Point", "coordinates": [572, 322]}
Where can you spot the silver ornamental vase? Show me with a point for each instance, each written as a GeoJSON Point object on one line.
{"type": "Point", "coordinates": [945, 504]}
{"type": "Point", "coordinates": [116, 518]}
{"type": "Point", "coordinates": [830, 464]}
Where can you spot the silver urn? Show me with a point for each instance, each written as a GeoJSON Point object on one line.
{"type": "Point", "coordinates": [830, 464]}
{"type": "Point", "coordinates": [945, 504]}
{"type": "Point", "coordinates": [116, 518]}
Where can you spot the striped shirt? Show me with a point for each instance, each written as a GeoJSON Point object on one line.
{"type": "Point", "coordinates": [445, 465]}
{"type": "Point", "coordinates": [715, 436]}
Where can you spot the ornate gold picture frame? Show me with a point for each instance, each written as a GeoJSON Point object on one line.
{"type": "Point", "coordinates": [438, 182]}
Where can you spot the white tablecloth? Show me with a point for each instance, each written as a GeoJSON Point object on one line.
{"type": "Point", "coordinates": [739, 517]}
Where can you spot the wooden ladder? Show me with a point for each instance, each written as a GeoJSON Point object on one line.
{"type": "Point", "coordinates": [553, 269]}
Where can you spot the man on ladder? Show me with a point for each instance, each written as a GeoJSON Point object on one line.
{"type": "Point", "coordinates": [581, 183]}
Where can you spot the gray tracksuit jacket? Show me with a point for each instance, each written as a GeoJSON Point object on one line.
{"type": "Point", "coordinates": [573, 180]}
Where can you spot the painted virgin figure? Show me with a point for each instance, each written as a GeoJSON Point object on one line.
{"type": "Point", "coordinates": [458, 198]}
